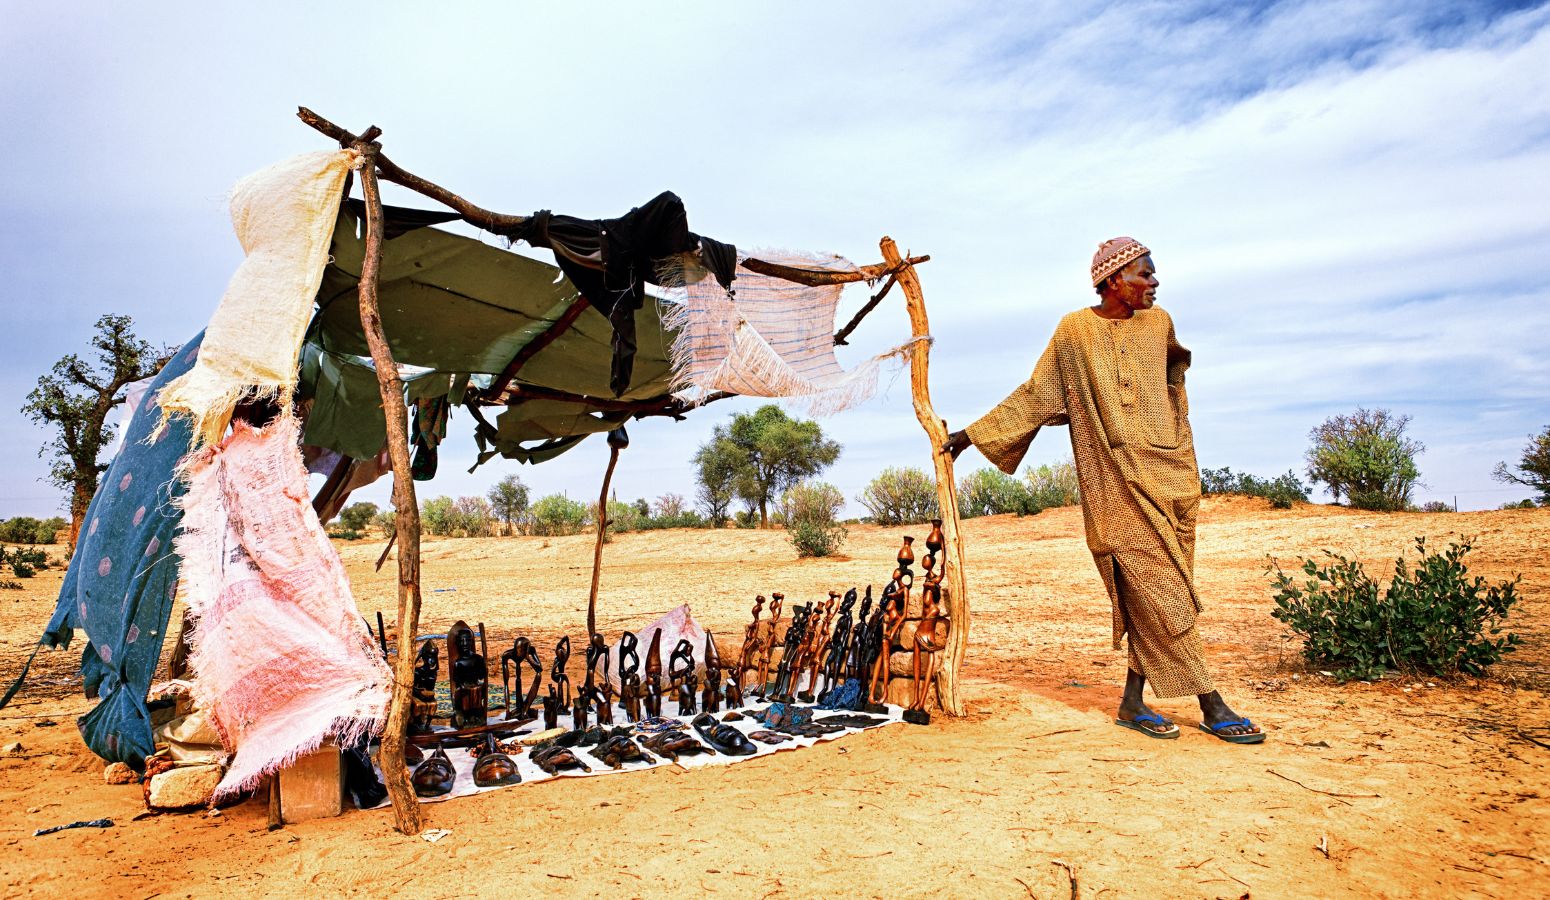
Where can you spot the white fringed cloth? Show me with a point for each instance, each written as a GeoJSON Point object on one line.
{"type": "Point", "coordinates": [283, 659]}
{"type": "Point", "coordinates": [769, 338]}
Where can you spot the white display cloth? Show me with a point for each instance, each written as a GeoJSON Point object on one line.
{"type": "Point", "coordinates": [463, 761]}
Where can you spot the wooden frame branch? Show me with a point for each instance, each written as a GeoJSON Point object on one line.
{"type": "Point", "coordinates": [406, 806]}
{"type": "Point", "coordinates": [536, 345]}
{"type": "Point", "coordinates": [955, 593]}
{"type": "Point", "coordinates": [871, 304]}
{"type": "Point", "coordinates": [387, 170]}
{"type": "Point", "coordinates": [602, 536]}
{"type": "Point", "coordinates": [817, 277]}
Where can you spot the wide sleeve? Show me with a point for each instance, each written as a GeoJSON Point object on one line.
{"type": "Point", "coordinates": [1004, 433]}
{"type": "Point", "coordinates": [1179, 358]}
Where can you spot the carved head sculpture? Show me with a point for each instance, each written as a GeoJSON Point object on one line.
{"type": "Point", "coordinates": [629, 655]}
{"type": "Point", "coordinates": [427, 661]}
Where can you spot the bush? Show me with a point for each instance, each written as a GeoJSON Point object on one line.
{"type": "Point", "coordinates": [472, 517]}
{"type": "Point", "coordinates": [357, 516]}
{"type": "Point", "coordinates": [746, 518]}
{"type": "Point", "coordinates": [508, 502]}
{"type": "Point", "coordinates": [990, 492]}
{"type": "Point", "coordinates": [900, 496]}
{"type": "Point", "coordinates": [346, 534]}
{"type": "Point", "coordinates": [558, 514]}
{"type": "Point", "coordinates": [623, 518]}
{"type": "Point", "coordinates": [1049, 487]}
{"type": "Point", "coordinates": [1282, 491]}
{"type": "Point", "coordinates": [28, 530]}
{"type": "Point", "coordinates": [1432, 620]}
{"type": "Point", "coordinates": [386, 522]}
{"type": "Point", "coordinates": [1436, 506]}
{"type": "Point", "coordinates": [438, 516]}
{"type": "Point", "coordinates": [811, 509]}
{"type": "Point", "coordinates": [10, 585]}
{"type": "Point", "coordinates": [1518, 504]}
{"type": "Point", "coordinates": [1366, 458]}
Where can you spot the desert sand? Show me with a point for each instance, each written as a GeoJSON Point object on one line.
{"type": "Point", "coordinates": [1403, 788]}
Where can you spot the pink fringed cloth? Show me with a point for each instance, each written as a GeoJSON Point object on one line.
{"type": "Point", "coordinates": [282, 656]}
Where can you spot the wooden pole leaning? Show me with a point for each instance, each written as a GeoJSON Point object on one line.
{"type": "Point", "coordinates": [957, 597]}
{"type": "Point", "coordinates": [602, 535]}
{"type": "Point", "coordinates": [406, 519]}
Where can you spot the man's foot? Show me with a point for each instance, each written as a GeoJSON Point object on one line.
{"type": "Point", "coordinates": [1218, 719]}
{"type": "Point", "coordinates": [1138, 716]}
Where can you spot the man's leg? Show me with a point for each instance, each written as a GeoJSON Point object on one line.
{"type": "Point", "coordinates": [1131, 707]}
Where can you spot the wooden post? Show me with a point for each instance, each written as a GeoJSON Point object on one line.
{"type": "Point", "coordinates": [957, 598]}
{"type": "Point", "coordinates": [406, 806]}
{"type": "Point", "coordinates": [615, 444]}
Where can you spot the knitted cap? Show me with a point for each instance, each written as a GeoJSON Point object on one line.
{"type": "Point", "coordinates": [1115, 254]}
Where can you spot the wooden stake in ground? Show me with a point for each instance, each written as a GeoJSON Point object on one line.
{"type": "Point", "coordinates": [946, 488]}
{"type": "Point", "coordinates": [406, 519]}
{"type": "Point", "coordinates": [617, 440]}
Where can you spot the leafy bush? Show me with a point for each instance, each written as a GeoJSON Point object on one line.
{"type": "Point", "coordinates": [10, 585]}
{"type": "Point", "coordinates": [357, 516]}
{"type": "Point", "coordinates": [1436, 506]}
{"type": "Point", "coordinates": [28, 530]}
{"type": "Point", "coordinates": [438, 516]}
{"type": "Point", "coordinates": [385, 522]}
{"type": "Point", "coordinates": [472, 516]}
{"type": "Point", "coordinates": [346, 534]}
{"type": "Point", "coordinates": [558, 514]}
{"type": "Point", "coordinates": [990, 492]}
{"type": "Point", "coordinates": [508, 502]}
{"type": "Point", "coordinates": [1432, 619]}
{"type": "Point", "coordinates": [1282, 491]}
{"type": "Point", "coordinates": [1366, 458]}
{"type": "Point", "coordinates": [24, 561]}
{"type": "Point", "coordinates": [746, 518]}
{"type": "Point", "coordinates": [1518, 504]}
{"type": "Point", "coordinates": [900, 496]}
{"type": "Point", "coordinates": [1052, 486]}
{"type": "Point", "coordinates": [811, 509]}
{"type": "Point", "coordinates": [623, 518]}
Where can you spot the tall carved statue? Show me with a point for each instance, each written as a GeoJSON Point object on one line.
{"type": "Point", "coordinates": [813, 647]}
{"type": "Point", "coordinates": [629, 677]}
{"type": "Point", "coordinates": [469, 676]}
{"type": "Point", "coordinates": [422, 705]}
{"type": "Point", "coordinates": [839, 643]}
{"type": "Point", "coordinates": [747, 657]}
{"type": "Point", "coordinates": [680, 673]}
{"type": "Point", "coordinates": [711, 699]}
{"type": "Point", "coordinates": [767, 645]}
{"type": "Point", "coordinates": [599, 691]}
{"type": "Point", "coordinates": [791, 652]}
{"type": "Point", "coordinates": [557, 675]}
{"type": "Point", "coordinates": [930, 639]}
{"type": "Point", "coordinates": [654, 675]}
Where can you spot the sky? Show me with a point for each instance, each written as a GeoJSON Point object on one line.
{"type": "Point", "coordinates": [1346, 201]}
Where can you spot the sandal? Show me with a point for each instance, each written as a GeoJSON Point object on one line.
{"type": "Point", "coordinates": [1165, 729]}
{"type": "Point", "coordinates": [1254, 737]}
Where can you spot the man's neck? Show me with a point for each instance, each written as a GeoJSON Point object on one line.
{"type": "Point", "coordinates": [1112, 308]}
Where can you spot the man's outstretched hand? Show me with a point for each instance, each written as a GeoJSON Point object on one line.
{"type": "Point", "coordinates": [957, 442]}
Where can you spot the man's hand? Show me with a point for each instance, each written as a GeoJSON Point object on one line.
{"type": "Point", "coordinates": [957, 442]}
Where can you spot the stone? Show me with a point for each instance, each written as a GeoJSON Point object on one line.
{"type": "Point", "coordinates": [183, 787]}
{"type": "Point", "coordinates": [312, 787]}
{"type": "Point", "coordinates": [119, 773]}
{"type": "Point", "coordinates": [13, 749]}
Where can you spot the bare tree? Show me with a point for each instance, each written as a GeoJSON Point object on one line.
{"type": "Point", "coordinates": [76, 397]}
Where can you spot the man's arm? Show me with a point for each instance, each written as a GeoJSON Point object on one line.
{"type": "Point", "coordinates": [1004, 433]}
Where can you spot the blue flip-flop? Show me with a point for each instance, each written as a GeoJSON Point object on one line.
{"type": "Point", "coordinates": [1216, 731]}
{"type": "Point", "coordinates": [1140, 722]}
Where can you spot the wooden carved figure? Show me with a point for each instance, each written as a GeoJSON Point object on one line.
{"type": "Point", "coordinates": [767, 645]}
{"type": "Point", "coordinates": [422, 704]}
{"type": "Point", "coordinates": [813, 648]}
{"type": "Point", "coordinates": [893, 621]}
{"type": "Point", "coordinates": [470, 678]}
{"type": "Point", "coordinates": [935, 540]}
{"type": "Point", "coordinates": [599, 691]}
{"type": "Point", "coordinates": [791, 652]}
{"type": "Point", "coordinates": [557, 675]}
{"type": "Point", "coordinates": [654, 675]}
{"type": "Point", "coordinates": [839, 643]}
{"type": "Point", "coordinates": [906, 554]}
{"type": "Point", "coordinates": [551, 709]}
{"type": "Point", "coordinates": [855, 657]}
{"type": "Point", "coordinates": [519, 705]}
{"type": "Point", "coordinates": [629, 677]}
{"type": "Point", "coordinates": [711, 698]}
{"type": "Point", "coordinates": [680, 673]}
{"type": "Point", "coordinates": [930, 639]}
{"type": "Point", "coordinates": [749, 654]}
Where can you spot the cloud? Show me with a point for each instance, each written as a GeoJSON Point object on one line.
{"type": "Point", "coordinates": [1342, 197]}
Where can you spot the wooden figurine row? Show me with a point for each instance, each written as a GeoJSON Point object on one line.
{"type": "Point", "coordinates": [638, 696]}
{"type": "Point", "coordinates": [827, 639]}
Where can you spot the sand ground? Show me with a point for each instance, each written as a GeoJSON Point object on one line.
{"type": "Point", "coordinates": [1404, 788]}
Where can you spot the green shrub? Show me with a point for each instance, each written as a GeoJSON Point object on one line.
{"type": "Point", "coordinates": [811, 511]}
{"type": "Point", "coordinates": [1049, 487]}
{"type": "Point", "coordinates": [357, 516]}
{"type": "Point", "coordinates": [900, 496]}
{"type": "Point", "coordinates": [1436, 506]}
{"type": "Point", "coordinates": [990, 492]}
{"type": "Point", "coordinates": [438, 516]}
{"type": "Point", "coordinates": [1518, 504]}
{"type": "Point", "coordinates": [1432, 619]}
{"type": "Point", "coordinates": [10, 585]}
{"type": "Point", "coordinates": [558, 514]}
{"type": "Point", "coordinates": [386, 522]}
{"type": "Point", "coordinates": [27, 530]}
{"type": "Point", "coordinates": [1282, 491]}
{"type": "Point", "coordinates": [746, 518]}
{"type": "Point", "coordinates": [346, 534]}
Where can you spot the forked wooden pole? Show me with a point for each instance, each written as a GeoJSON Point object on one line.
{"type": "Point", "coordinates": [957, 597]}
{"type": "Point", "coordinates": [615, 444]}
{"type": "Point", "coordinates": [406, 518]}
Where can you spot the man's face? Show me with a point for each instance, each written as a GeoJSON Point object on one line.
{"type": "Point", "coordinates": [1136, 284]}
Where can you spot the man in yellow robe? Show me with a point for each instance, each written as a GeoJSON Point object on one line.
{"type": "Point", "coordinates": [1114, 372]}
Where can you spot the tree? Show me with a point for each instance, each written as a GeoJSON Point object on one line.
{"type": "Point", "coordinates": [357, 516]}
{"type": "Point", "coordinates": [508, 501]}
{"type": "Point", "coordinates": [772, 453]}
{"type": "Point", "coordinates": [558, 514]}
{"type": "Point", "coordinates": [900, 496]}
{"type": "Point", "coordinates": [76, 397]}
{"type": "Point", "coordinates": [992, 492]}
{"type": "Point", "coordinates": [810, 510]}
{"type": "Point", "coordinates": [438, 515]}
{"type": "Point", "coordinates": [669, 506]}
{"type": "Point", "coordinates": [716, 465]}
{"type": "Point", "coordinates": [1533, 470]}
{"type": "Point", "coordinates": [471, 516]}
{"type": "Point", "coordinates": [1365, 457]}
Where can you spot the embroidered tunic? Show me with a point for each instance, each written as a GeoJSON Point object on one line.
{"type": "Point", "coordinates": [1119, 384]}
